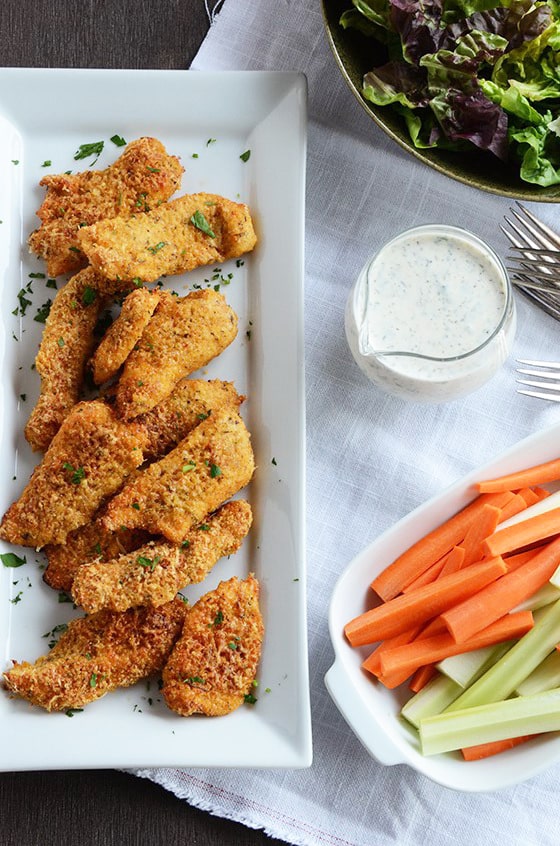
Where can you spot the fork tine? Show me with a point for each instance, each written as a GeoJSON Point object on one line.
{"type": "Point", "coordinates": [543, 374]}
{"type": "Point", "coordinates": [537, 231]}
{"type": "Point", "coordinates": [531, 362]}
{"type": "Point", "coordinates": [525, 270]}
{"type": "Point", "coordinates": [539, 395]}
{"type": "Point", "coordinates": [540, 226]}
{"type": "Point", "coordinates": [549, 386]}
{"type": "Point", "coordinates": [539, 251]}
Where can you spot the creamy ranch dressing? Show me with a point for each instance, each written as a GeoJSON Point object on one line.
{"type": "Point", "coordinates": [434, 291]}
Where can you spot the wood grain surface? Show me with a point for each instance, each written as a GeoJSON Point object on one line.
{"type": "Point", "coordinates": [104, 808]}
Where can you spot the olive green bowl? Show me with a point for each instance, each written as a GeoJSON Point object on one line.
{"type": "Point", "coordinates": [357, 54]}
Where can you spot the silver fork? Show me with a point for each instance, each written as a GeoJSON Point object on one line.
{"type": "Point", "coordinates": [536, 259]}
{"type": "Point", "coordinates": [549, 371]}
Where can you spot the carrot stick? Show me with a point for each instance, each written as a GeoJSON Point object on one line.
{"type": "Point", "coordinates": [479, 530]}
{"type": "Point", "coordinates": [421, 677]}
{"type": "Point", "coordinates": [454, 560]}
{"type": "Point", "coordinates": [429, 575]}
{"type": "Point", "coordinates": [373, 662]}
{"type": "Point", "coordinates": [517, 504]}
{"type": "Point", "coordinates": [430, 650]}
{"type": "Point", "coordinates": [412, 609]}
{"type": "Point", "coordinates": [512, 562]}
{"type": "Point", "coordinates": [539, 474]}
{"type": "Point", "coordinates": [494, 747]}
{"type": "Point", "coordinates": [493, 601]}
{"type": "Point", "coordinates": [542, 493]}
{"type": "Point", "coordinates": [524, 533]}
{"type": "Point", "coordinates": [429, 548]}
{"type": "Point", "coordinates": [531, 496]}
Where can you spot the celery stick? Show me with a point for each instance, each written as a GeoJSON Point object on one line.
{"type": "Point", "coordinates": [555, 578]}
{"type": "Point", "coordinates": [506, 674]}
{"type": "Point", "coordinates": [544, 677]}
{"type": "Point", "coordinates": [468, 666]}
{"type": "Point", "coordinates": [432, 699]}
{"type": "Point", "coordinates": [494, 721]}
{"type": "Point", "coordinates": [544, 596]}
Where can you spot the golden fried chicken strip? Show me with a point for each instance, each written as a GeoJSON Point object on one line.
{"type": "Point", "coordinates": [88, 543]}
{"type": "Point", "coordinates": [88, 460]}
{"type": "Point", "coordinates": [172, 495]}
{"type": "Point", "coordinates": [142, 178]}
{"type": "Point", "coordinates": [97, 654]}
{"type": "Point", "coordinates": [154, 573]}
{"type": "Point", "coordinates": [66, 345]}
{"type": "Point", "coordinates": [190, 402]}
{"type": "Point", "coordinates": [191, 231]}
{"type": "Point", "coordinates": [212, 667]}
{"type": "Point", "coordinates": [120, 338]}
{"type": "Point", "coordinates": [184, 334]}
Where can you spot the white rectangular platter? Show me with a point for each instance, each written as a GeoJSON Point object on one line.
{"type": "Point", "coordinates": [210, 120]}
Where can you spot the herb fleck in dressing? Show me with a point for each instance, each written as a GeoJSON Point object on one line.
{"type": "Point", "coordinates": [431, 317]}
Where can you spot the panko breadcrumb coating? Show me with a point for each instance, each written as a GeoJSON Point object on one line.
{"type": "Point", "coordinates": [174, 494]}
{"type": "Point", "coordinates": [88, 543]}
{"type": "Point", "coordinates": [97, 654]}
{"type": "Point", "coordinates": [191, 231]}
{"type": "Point", "coordinates": [184, 334]}
{"type": "Point", "coordinates": [87, 461]}
{"type": "Point", "coordinates": [143, 177]}
{"type": "Point", "coordinates": [119, 339]}
{"type": "Point", "coordinates": [66, 345]}
{"type": "Point", "coordinates": [190, 402]}
{"type": "Point", "coordinates": [212, 667]}
{"type": "Point", "coordinates": [154, 573]}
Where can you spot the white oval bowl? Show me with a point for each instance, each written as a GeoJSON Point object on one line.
{"type": "Point", "coordinates": [371, 710]}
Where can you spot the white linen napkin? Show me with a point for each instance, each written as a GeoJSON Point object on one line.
{"type": "Point", "coordinates": [371, 458]}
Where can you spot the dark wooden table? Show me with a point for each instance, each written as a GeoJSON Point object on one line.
{"type": "Point", "coordinates": [103, 808]}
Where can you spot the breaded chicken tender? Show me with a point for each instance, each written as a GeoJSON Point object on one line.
{"type": "Point", "coordinates": [88, 543]}
{"type": "Point", "coordinates": [184, 334]}
{"type": "Point", "coordinates": [191, 231]}
{"type": "Point", "coordinates": [213, 665]}
{"type": "Point", "coordinates": [174, 494]}
{"type": "Point", "coordinates": [120, 338]}
{"type": "Point", "coordinates": [87, 461]}
{"type": "Point", "coordinates": [154, 573]}
{"type": "Point", "coordinates": [142, 178]}
{"type": "Point", "coordinates": [67, 343]}
{"type": "Point", "coordinates": [190, 402]}
{"type": "Point", "coordinates": [97, 654]}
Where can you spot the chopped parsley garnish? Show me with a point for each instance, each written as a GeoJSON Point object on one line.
{"type": "Point", "coordinates": [148, 563]}
{"type": "Point", "coordinates": [37, 275]}
{"type": "Point", "coordinates": [201, 223]}
{"type": "Point", "coordinates": [10, 559]}
{"type": "Point", "coordinates": [152, 169]}
{"type": "Point", "coordinates": [118, 140]}
{"type": "Point", "coordinates": [76, 473]}
{"type": "Point", "coordinates": [60, 342]}
{"type": "Point", "coordinates": [218, 619]}
{"type": "Point", "coordinates": [194, 680]}
{"type": "Point", "coordinates": [274, 461]}
{"type": "Point", "coordinates": [245, 156]}
{"type": "Point", "coordinates": [93, 680]}
{"type": "Point", "coordinates": [250, 699]}
{"type": "Point", "coordinates": [210, 141]}
{"type": "Point", "coordinates": [17, 598]}
{"type": "Point", "coordinates": [43, 312]}
{"type": "Point", "coordinates": [51, 283]}
{"type": "Point", "coordinates": [185, 543]}
{"type": "Point", "coordinates": [89, 295]}
{"type": "Point", "coordinates": [215, 471]}
{"type": "Point", "coordinates": [157, 247]}
{"type": "Point", "coordinates": [71, 711]}
{"type": "Point", "coordinates": [188, 467]}
{"type": "Point", "coordinates": [86, 150]}
{"type": "Point", "coordinates": [46, 163]}
{"type": "Point", "coordinates": [136, 506]}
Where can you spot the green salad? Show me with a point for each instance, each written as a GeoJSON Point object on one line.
{"type": "Point", "coordinates": [466, 73]}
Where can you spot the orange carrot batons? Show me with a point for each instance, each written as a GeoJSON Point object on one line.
{"type": "Point", "coordinates": [539, 474]}
{"type": "Point", "coordinates": [404, 612]}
